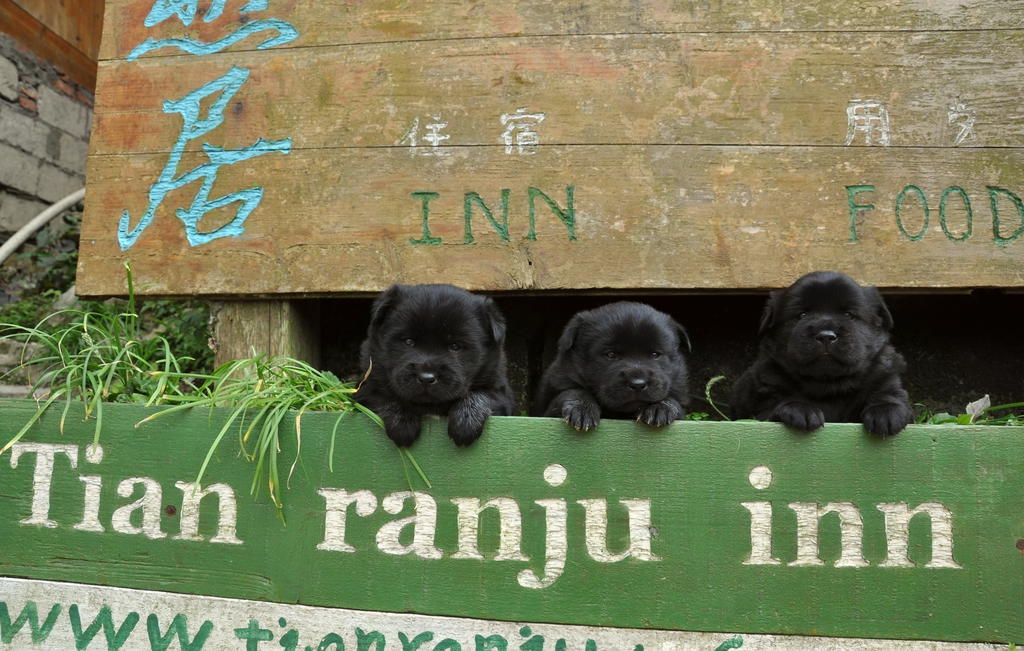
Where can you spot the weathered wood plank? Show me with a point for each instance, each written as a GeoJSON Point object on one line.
{"type": "Point", "coordinates": [706, 565]}
{"type": "Point", "coordinates": [699, 140]}
{"type": "Point", "coordinates": [39, 39]}
{"type": "Point", "coordinates": [778, 89]}
{"type": "Point", "coordinates": [79, 22]}
{"type": "Point", "coordinates": [671, 217]}
{"type": "Point", "coordinates": [245, 328]}
{"type": "Point", "coordinates": [335, 22]}
{"type": "Point", "coordinates": [218, 623]}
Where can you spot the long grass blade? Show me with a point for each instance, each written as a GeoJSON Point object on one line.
{"type": "Point", "coordinates": [330, 451]}
{"type": "Point", "coordinates": [707, 395]}
{"type": "Point", "coordinates": [31, 421]}
{"type": "Point", "coordinates": [213, 447]}
{"type": "Point", "coordinates": [405, 469]}
{"type": "Point", "coordinates": [298, 447]}
{"type": "Point", "coordinates": [1012, 405]}
{"type": "Point", "coordinates": [415, 465]}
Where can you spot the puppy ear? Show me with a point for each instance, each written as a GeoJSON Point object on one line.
{"type": "Point", "coordinates": [684, 337]}
{"type": "Point", "coordinates": [382, 305]}
{"type": "Point", "coordinates": [568, 338]}
{"type": "Point", "coordinates": [768, 317]}
{"type": "Point", "coordinates": [880, 308]}
{"type": "Point", "coordinates": [493, 321]}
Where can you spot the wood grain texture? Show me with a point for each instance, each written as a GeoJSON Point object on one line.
{"type": "Point", "coordinates": [734, 89]}
{"type": "Point", "coordinates": [646, 217]}
{"type": "Point", "coordinates": [39, 38]}
{"type": "Point", "coordinates": [694, 474]}
{"type": "Point", "coordinates": [335, 22]}
{"type": "Point", "coordinates": [247, 328]}
{"type": "Point", "coordinates": [79, 22]}
{"type": "Point", "coordinates": [708, 145]}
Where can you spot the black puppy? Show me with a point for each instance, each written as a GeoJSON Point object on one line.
{"type": "Point", "coordinates": [622, 360]}
{"type": "Point", "coordinates": [825, 356]}
{"type": "Point", "coordinates": [434, 349]}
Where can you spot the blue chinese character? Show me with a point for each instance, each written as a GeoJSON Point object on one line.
{"type": "Point", "coordinates": [186, 10]}
{"type": "Point", "coordinates": [193, 128]}
{"type": "Point", "coordinates": [285, 34]}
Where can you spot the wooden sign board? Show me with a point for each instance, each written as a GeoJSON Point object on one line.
{"type": "Point", "coordinates": [300, 147]}
{"type": "Point", "coordinates": [704, 535]}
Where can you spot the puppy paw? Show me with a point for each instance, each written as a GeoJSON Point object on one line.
{"type": "Point", "coordinates": [799, 416]}
{"type": "Point", "coordinates": [403, 432]}
{"type": "Point", "coordinates": [886, 420]}
{"type": "Point", "coordinates": [660, 414]}
{"type": "Point", "coordinates": [581, 415]}
{"type": "Point", "coordinates": [466, 420]}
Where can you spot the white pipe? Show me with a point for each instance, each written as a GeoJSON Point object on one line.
{"type": "Point", "coordinates": [37, 222]}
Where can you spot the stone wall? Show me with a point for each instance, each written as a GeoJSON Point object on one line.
{"type": "Point", "coordinates": [45, 120]}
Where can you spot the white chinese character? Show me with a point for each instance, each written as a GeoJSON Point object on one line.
{"type": "Point", "coordinates": [411, 135]}
{"type": "Point", "coordinates": [433, 137]}
{"type": "Point", "coordinates": [870, 117]}
{"type": "Point", "coordinates": [519, 131]}
{"type": "Point", "coordinates": [962, 116]}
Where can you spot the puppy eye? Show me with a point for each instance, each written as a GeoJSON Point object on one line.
{"type": "Point", "coordinates": [802, 315]}
{"type": "Point", "coordinates": [410, 342]}
{"type": "Point", "coordinates": [655, 355]}
{"type": "Point", "coordinates": [849, 315]}
{"type": "Point", "coordinates": [454, 347]}
{"type": "Point", "coordinates": [611, 355]}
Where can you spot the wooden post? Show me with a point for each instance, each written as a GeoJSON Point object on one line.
{"type": "Point", "coordinates": [288, 328]}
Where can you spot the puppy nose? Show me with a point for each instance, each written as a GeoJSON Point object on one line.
{"type": "Point", "coordinates": [637, 383]}
{"type": "Point", "coordinates": [426, 377]}
{"type": "Point", "coordinates": [826, 337]}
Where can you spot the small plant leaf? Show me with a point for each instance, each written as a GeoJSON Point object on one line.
{"type": "Point", "coordinates": [977, 408]}
{"type": "Point", "coordinates": [942, 418]}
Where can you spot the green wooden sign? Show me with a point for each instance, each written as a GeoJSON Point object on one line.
{"type": "Point", "coordinates": [704, 526]}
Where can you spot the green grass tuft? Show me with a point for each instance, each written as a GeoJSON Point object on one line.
{"type": "Point", "coordinates": [102, 354]}
{"type": "Point", "coordinates": [1011, 414]}
{"type": "Point", "coordinates": [262, 392]}
{"type": "Point", "coordinates": [96, 357]}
